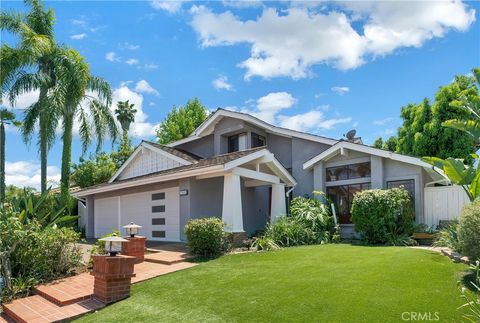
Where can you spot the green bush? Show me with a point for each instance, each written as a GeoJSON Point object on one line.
{"type": "Point", "coordinates": [313, 213]}
{"type": "Point", "coordinates": [32, 254]}
{"type": "Point", "coordinates": [448, 237]}
{"type": "Point", "coordinates": [383, 216]}
{"type": "Point", "coordinates": [206, 237]}
{"type": "Point", "coordinates": [469, 230]}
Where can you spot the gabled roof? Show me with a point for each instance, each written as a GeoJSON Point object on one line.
{"type": "Point", "coordinates": [207, 126]}
{"type": "Point", "coordinates": [341, 145]}
{"type": "Point", "coordinates": [204, 166]}
{"type": "Point", "coordinates": [178, 155]}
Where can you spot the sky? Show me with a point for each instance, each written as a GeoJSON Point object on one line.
{"type": "Point", "coordinates": [319, 67]}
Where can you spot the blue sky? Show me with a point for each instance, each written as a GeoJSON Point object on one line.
{"type": "Point", "coordinates": [320, 67]}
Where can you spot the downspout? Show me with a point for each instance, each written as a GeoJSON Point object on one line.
{"type": "Point", "coordinates": [287, 195]}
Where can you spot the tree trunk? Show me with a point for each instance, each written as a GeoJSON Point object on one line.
{"type": "Point", "coordinates": [66, 154]}
{"type": "Point", "coordinates": [2, 162]}
{"type": "Point", "coordinates": [43, 151]}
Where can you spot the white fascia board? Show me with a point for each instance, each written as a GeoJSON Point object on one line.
{"type": "Point", "coordinates": [245, 159]}
{"type": "Point", "coordinates": [149, 180]}
{"type": "Point", "coordinates": [243, 172]}
{"type": "Point", "coordinates": [198, 133]}
{"type": "Point", "coordinates": [167, 154]}
{"type": "Point", "coordinates": [126, 163]}
{"type": "Point", "coordinates": [367, 150]}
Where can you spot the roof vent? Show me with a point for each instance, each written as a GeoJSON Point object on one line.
{"type": "Point", "coordinates": [350, 137]}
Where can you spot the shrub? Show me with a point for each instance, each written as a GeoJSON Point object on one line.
{"type": "Point", "coordinates": [383, 216]}
{"type": "Point", "coordinates": [313, 213]}
{"type": "Point", "coordinates": [448, 237]}
{"type": "Point", "coordinates": [206, 237]}
{"type": "Point", "coordinates": [469, 230]}
{"type": "Point", "coordinates": [31, 254]}
{"type": "Point", "coordinates": [265, 243]}
{"type": "Point", "coordinates": [288, 231]}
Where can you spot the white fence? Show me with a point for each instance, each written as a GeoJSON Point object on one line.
{"type": "Point", "coordinates": [443, 203]}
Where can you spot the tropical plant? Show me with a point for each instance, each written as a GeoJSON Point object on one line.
{"type": "Point", "coordinates": [181, 122]}
{"type": "Point", "coordinates": [265, 243]}
{"type": "Point", "coordinates": [448, 237]}
{"type": "Point", "coordinates": [125, 114]}
{"type": "Point", "coordinates": [36, 51]}
{"type": "Point", "coordinates": [469, 230]}
{"type": "Point", "coordinates": [383, 216]}
{"type": "Point", "coordinates": [47, 209]}
{"type": "Point", "coordinates": [6, 117]}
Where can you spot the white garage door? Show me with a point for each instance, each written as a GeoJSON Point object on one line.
{"type": "Point", "coordinates": [106, 216]}
{"type": "Point", "coordinates": [158, 212]}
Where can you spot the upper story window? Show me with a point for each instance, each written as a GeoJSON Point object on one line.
{"type": "Point", "coordinates": [258, 140]}
{"type": "Point", "coordinates": [233, 143]}
{"type": "Point", "coordinates": [345, 172]}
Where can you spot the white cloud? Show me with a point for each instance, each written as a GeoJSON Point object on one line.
{"type": "Point", "coordinates": [239, 4]}
{"type": "Point", "coordinates": [79, 22]}
{"type": "Point", "coordinates": [132, 61]}
{"type": "Point", "coordinates": [170, 6]}
{"type": "Point", "coordinates": [340, 90]}
{"type": "Point", "coordinates": [331, 123]}
{"type": "Point", "coordinates": [112, 57]}
{"type": "Point", "coordinates": [268, 106]}
{"type": "Point", "coordinates": [127, 45]}
{"type": "Point", "coordinates": [221, 83]}
{"type": "Point", "coordinates": [143, 86]}
{"type": "Point", "coordinates": [289, 42]}
{"type": "Point", "coordinates": [27, 173]}
{"type": "Point", "coordinates": [382, 122]}
{"type": "Point", "coordinates": [149, 66]}
{"type": "Point", "coordinates": [78, 36]}
{"type": "Point", "coordinates": [140, 128]}
{"type": "Point", "coordinates": [23, 101]}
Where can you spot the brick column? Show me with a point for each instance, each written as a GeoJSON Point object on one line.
{"type": "Point", "coordinates": [113, 277]}
{"type": "Point", "coordinates": [135, 247]}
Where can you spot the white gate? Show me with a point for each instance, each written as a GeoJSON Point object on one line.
{"type": "Point", "coordinates": [443, 203]}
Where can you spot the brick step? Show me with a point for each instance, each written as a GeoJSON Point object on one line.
{"type": "Point", "coordinates": [4, 318]}
{"type": "Point", "coordinates": [39, 310]}
{"type": "Point", "coordinates": [166, 258]}
{"type": "Point", "coordinates": [68, 290]}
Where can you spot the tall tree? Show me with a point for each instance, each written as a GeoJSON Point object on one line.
{"type": "Point", "coordinates": [181, 122]}
{"type": "Point", "coordinates": [125, 114]}
{"type": "Point", "coordinates": [6, 117]}
{"type": "Point", "coordinates": [87, 99]}
{"type": "Point", "coordinates": [378, 143]}
{"type": "Point", "coordinates": [36, 50]}
{"type": "Point", "coordinates": [390, 144]}
{"type": "Point", "coordinates": [422, 133]}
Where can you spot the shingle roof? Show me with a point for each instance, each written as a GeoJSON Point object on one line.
{"type": "Point", "coordinates": [202, 163]}
{"type": "Point", "coordinates": [176, 152]}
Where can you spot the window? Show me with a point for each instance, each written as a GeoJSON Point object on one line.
{"type": "Point", "coordinates": [158, 221]}
{"type": "Point", "coordinates": [345, 172]}
{"type": "Point", "coordinates": [158, 196]}
{"type": "Point", "coordinates": [158, 208]}
{"type": "Point", "coordinates": [342, 198]}
{"type": "Point", "coordinates": [233, 143]}
{"type": "Point", "coordinates": [407, 184]}
{"type": "Point", "coordinates": [158, 234]}
{"type": "Point", "coordinates": [258, 141]}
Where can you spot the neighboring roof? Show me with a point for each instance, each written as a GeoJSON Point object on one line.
{"type": "Point", "coordinates": [213, 164]}
{"type": "Point", "coordinates": [332, 151]}
{"type": "Point", "coordinates": [204, 128]}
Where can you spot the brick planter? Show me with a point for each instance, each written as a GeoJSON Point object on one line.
{"type": "Point", "coordinates": [113, 277]}
{"type": "Point", "coordinates": [135, 247]}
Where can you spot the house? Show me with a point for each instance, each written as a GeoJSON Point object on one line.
{"type": "Point", "coordinates": [243, 170]}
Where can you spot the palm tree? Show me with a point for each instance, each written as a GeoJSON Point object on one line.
{"type": "Point", "coordinates": [37, 51]}
{"type": "Point", "coordinates": [6, 117]}
{"type": "Point", "coordinates": [85, 98]}
{"type": "Point", "coordinates": [125, 114]}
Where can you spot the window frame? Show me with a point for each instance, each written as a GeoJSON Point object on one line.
{"type": "Point", "coordinates": [348, 171]}
{"type": "Point", "coordinates": [258, 137]}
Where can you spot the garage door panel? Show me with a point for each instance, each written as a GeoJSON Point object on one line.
{"type": "Point", "coordinates": [106, 216]}
{"type": "Point", "coordinates": [135, 209]}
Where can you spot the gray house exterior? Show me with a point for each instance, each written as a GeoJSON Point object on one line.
{"type": "Point", "coordinates": [243, 170]}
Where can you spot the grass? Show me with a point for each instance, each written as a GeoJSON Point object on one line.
{"type": "Point", "coordinates": [330, 283]}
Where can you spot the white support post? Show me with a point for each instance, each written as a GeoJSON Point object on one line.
{"type": "Point", "coordinates": [232, 203]}
{"type": "Point", "coordinates": [278, 207]}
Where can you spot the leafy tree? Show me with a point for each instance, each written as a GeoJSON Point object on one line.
{"type": "Point", "coordinates": [93, 171]}
{"type": "Point", "coordinates": [124, 151]}
{"type": "Point", "coordinates": [14, 192]}
{"type": "Point", "coordinates": [391, 144]}
{"type": "Point", "coordinates": [181, 122]}
{"type": "Point", "coordinates": [378, 143]}
{"type": "Point", "coordinates": [6, 117]}
{"type": "Point", "coordinates": [36, 50]}
{"type": "Point", "coordinates": [422, 133]}
{"type": "Point", "coordinates": [125, 114]}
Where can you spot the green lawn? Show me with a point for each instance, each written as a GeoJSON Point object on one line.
{"type": "Point", "coordinates": [330, 283]}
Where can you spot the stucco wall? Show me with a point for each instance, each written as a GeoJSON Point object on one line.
{"type": "Point", "coordinates": [281, 147]}
{"type": "Point", "coordinates": [202, 147]}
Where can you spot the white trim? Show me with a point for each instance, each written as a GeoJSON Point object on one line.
{"type": "Point", "coordinates": [119, 201]}
{"type": "Point", "coordinates": [149, 180]}
{"type": "Point", "coordinates": [243, 160]}
{"type": "Point", "coordinates": [152, 148]}
{"type": "Point", "coordinates": [199, 132]}
{"type": "Point", "coordinates": [352, 161]}
{"type": "Point", "coordinates": [243, 172]}
{"type": "Point", "coordinates": [365, 149]}
{"type": "Point", "coordinates": [361, 180]}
